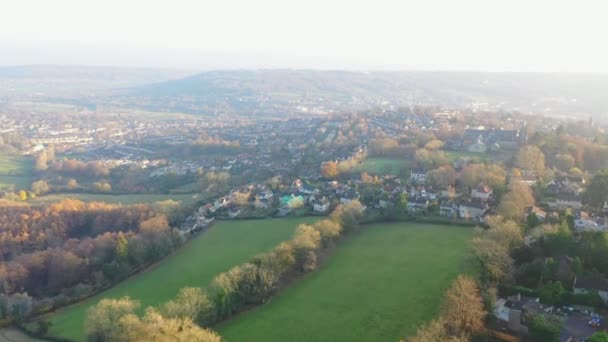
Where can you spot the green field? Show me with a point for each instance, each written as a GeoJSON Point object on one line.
{"type": "Point", "coordinates": [123, 199]}
{"type": "Point", "coordinates": [227, 244]}
{"type": "Point", "coordinates": [379, 284]}
{"type": "Point", "coordinates": [382, 166]}
{"type": "Point", "coordinates": [15, 172]}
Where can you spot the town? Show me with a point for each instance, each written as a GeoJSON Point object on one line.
{"type": "Point", "coordinates": [181, 175]}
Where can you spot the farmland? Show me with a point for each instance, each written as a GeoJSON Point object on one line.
{"type": "Point", "coordinates": [227, 244]}
{"type": "Point", "coordinates": [379, 284]}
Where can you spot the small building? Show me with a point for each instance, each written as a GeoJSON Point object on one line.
{"type": "Point", "coordinates": [417, 204]}
{"type": "Point", "coordinates": [473, 210]}
{"type": "Point", "coordinates": [320, 206]}
{"type": "Point", "coordinates": [599, 284]}
{"type": "Point", "coordinates": [349, 196]}
{"type": "Point", "coordinates": [482, 192]}
{"type": "Point", "coordinates": [478, 146]}
{"type": "Point", "coordinates": [418, 176]}
{"type": "Point", "coordinates": [448, 209]}
{"type": "Point", "coordinates": [540, 214]}
{"type": "Point", "coordinates": [565, 201]}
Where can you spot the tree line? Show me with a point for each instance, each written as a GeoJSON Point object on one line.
{"type": "Point", "coordinates": [65, 251]}
{"type": "Point", "coordinates": [229, 292]}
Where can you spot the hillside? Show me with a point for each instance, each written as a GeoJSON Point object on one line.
{"type": "Point", "coordinates": [66, 81]}
{"type": "Point", "coordinates": [288, 91]}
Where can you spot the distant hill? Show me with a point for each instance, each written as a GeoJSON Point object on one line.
{"type": "Point", "coordinates": [272, 91]}
{"type": "Point", "coordinates": [73, 81]}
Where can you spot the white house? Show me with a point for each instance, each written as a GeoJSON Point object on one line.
{"type": "Point", "coordinates": [482, 192]}
{"type": "Point", "coordinates": [418, 176]}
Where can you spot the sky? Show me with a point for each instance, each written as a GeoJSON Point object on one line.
{"type": "Point", "coordinates": [478, 35]}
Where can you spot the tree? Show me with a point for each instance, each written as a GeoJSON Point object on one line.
{"type": "Point", "coordinates": [600, 336]}
{"type": "Point", "coordinates": [597, 191]}
{"type": "Point", "coordinates": [116, 320]}
{"type": "Point", "coordinates": [328, 229]}
{"type": "Point", "coordinates": [433, 145]}
{"type": "Point", "coordinates": [492, 175]}
{"type": "Point", "coordinates": [41, 162]}
{"type": "Point", "coordinates": [435, 331]}
{"type": "Point", "coordinates": [542, 329]}
{"type": "Point", "coordinates": [40, 187]}
{"type": "Point", "coordinates": [103, 319]}
{"type": "Point", "coordinates": [463, 309]}
{"type": "Point", "coordinates": [443, 176]}
{"type": "Point", "coordinates": [552, 293]}
{"type": "Point", "coordinates": [329, 169]}
{"type": "Point", "coordinates": [122, 247]}
{"type": "Point", "coordinates": [192, 303]}
{"type": "Point", "coordinates": [156, 328]}
{"type": "Point", "coordinates": [513, 203]}
{"type": "Point", "coordinates": [492, 260]}
{"type": "Point", "coordinates": [530, 158]}
{"type": "Point", "coordinates": [348, 215]}
{"type": "Point", "coordinates": [564, 162]}
{"type": "Point", "coordinates": [72, 184]}
{"type": "Point", "coordinates": [305, 243]}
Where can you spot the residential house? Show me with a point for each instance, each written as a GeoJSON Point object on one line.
{"type": "Point", "coordinates": [482, 192]}
{"type": "Point", "coordinates": [418, 176]}
{"type": "Point", "coordinates": [599, 284]}
{"type": "Point", "coordinates": [478, 146]}
{"type": "Point", "coordinates": [585, 222]}
{"type": "Point", "coordinates": [349, 196]}
{"type": "Point", "coordinates": [514, 309]}
{"type": "Point", "coordinates": [384, 204]}
{"type": "Point", "coordinates": [448, 209]}
{"type": "Point", "coordinates": [417, 204]}
{"type": "Point", "coordinates": [472, 210]}
{"type": "Point", "coordinates": [540, 214]}
{"type": "Point", "coordinates": [306, 189]}
{"type": "Point", "coordinates": [234, 212]}
{"type": "Point", "coordinates": [564, 201]}
{"type": "Point", "coordinates": [321, 206]}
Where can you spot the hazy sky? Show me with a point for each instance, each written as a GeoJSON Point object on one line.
{"type": "Point", "coordinates": [512, 35]}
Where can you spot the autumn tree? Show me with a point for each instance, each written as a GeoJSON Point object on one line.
{"type": "Point", "coordinates": [443, 176]}
{"type": "Point", "coordinates": [103, 319]}
{"type": "Point", "coordinates": [348, 215]}
{"type": "Point", "coordinates": [329, 169]}
{"type": "Point", "coordinates": [40, 187]}
{"type": "Point", "coordinates": [305, 243]}
{"type": "Point", "coordinates": [463, 309]}
{"type": "Point", "coordinates": [72, 184]}
{"type": "Point", "coordinates": [513, 203]}
{"type": "Point", "coordinates": [530, 158]}
{"type": "Point", "coordinates": [435, 331]}
{"type": "Point", "coordinates": [328, 229]}
{"type": "Point", "coordinates": [41, 162]}
{"type": "Point", "coordinates": [492, 175]}
{"type": "Point", "coordinates": [192, 303]}
{"type": "Point", "coordinates": [492, 259]}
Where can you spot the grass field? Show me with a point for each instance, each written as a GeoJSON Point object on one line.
{"type": "Point", "coordinates": [227, 244]}
{"type": "Point", "coordinates": [15, 172]}
{"type": "Point", "coordinates": [124, 199]}
{"type": "Point", "coordinates": [379, 284]}
{"type": "Point", "coordinates": [382, 166]}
